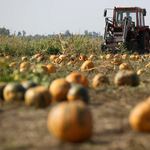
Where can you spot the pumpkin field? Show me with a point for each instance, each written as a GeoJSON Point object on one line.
{"type": "Point", "coordinates": [66, 94]}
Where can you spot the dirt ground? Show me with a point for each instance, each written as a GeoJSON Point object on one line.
{"type": "Point", "coordinates": [24, 128]}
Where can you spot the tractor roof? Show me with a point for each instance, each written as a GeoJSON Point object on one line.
{"type": "Point", "coordinates": [128, 7]}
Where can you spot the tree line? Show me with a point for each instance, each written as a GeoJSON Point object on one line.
{"type": "Point", "coordinates": [4, 31]}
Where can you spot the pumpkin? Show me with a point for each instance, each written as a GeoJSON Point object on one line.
{"type": "Point", "coordinates": [83, 57]}
{"type": "Point", "coordinates": [124, 66]}
{"type": "Point", "coordinates": [70, 63]}
{"type": "Point", "coordinates": [13, 91]}
{"type": "Point", "coordinates": [137, 57]}
{"type": "Point", "coordinates": [2, 86]}
{"type": "Point", "coordinates": [13, 64]}
{"type": "Point", "coordinates": [76, 77]}
{"type": "Point", "coordinates": [87, 66]}
{"type": "Point", "coordinates": [102, 57]}
{"type": "Point", "coordinates": [28, 84]}
{"type": "Point", "coordinates": [59, 89]}
{"type": "Point", "coordinates": [140, 71]}
{"type": "Point", "coordinates": [24, 58]}
{"type": "Point", "coordinates": [125, 56]}
{"type": "Point", "coordinates": [140, 115]}
{"type": "Point", "coordinates": [38, 96]}
{"type": "Point", "coordinates": [70, 121]}
{"type": "Point", "coordinates": [99, 79]}
{"type": "Point", "coordinates": [126, 77]}
{"type": "Point", "coordinates": [132, 57]}
{"type": "Point", "coordinates": [8, 58]}
{"type": "Point", "coordinates": [24, 66]}
{"type": "Point", "coordinates": [116, 61]}
{"type": "Point", "coordinates": [78, 91]}
{"type": "Point", "coordinates": [63, 57]}
{"type": "Point", "coordinates": [37, 55]}
{"type": "Point", "coordinates": [53, 57]}
{"type": "Point", "coordinates": [148, 65]}
{"type": "Point", "coordinates": [109, 56]}
{"type": "Point", "coordinates": [91, 57]}
{"type": "Point", "coordinates": [116, 55]}
{"type": "Point", "coordinates": [51, 68]}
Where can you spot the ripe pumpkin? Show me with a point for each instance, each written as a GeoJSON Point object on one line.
{"type": "Point", "coordinates": [70, 121]}
{"type": "Point", "coordinates": [125, 56]}
{"type": "Point", "coordinates": [24, 66]}
{"type": "Point", "coordinates": [38, 96]}
{"type": "Point", "coordinates": [137, 57]}
{"type": "Point", "coordinates": [70, 63]}
{"type": "Point", "coordinates": [2, 86]}
{"type": "Point", "coordinates": [126, 77]}
{"type": "Point", "coordinates": [132, 57]}
{"type": "Point", "coordinates": [87, 66]}
{"type": "Point", "coordinates": [102, 57]}
{"type": "Point", "coordinates": [76, 77]}
{"type": "Point", "coordinates": [117, 56]}
{"type": "Point", "coordinates": [116, 61]}
{"type": "Point", "coordinates": [59, 89]}
{"type": "Point", "coordinates": [28, 84]}
{"type": "Point", "coordinates": [124, 66]}
{"type": "Point", "coordinates": [24, 58]}
{"type": "Point", "coordinates": [91, 57]}
{"type": "Point", "coordinates": [109, 56]}
{"type": "Point", "coordinates": [140, 115]}
{"type": "Point", "coordinates": [13, 65]}
{"type": "Point", "coordinates": [53, 57]}
{"type": "Point", "coordinates": [78, 91]}
{"type": "Point", "coordinates": [8, 57]}
{"type": "Point", "coordinates": [63, 57]}
{"type": "Point", "coordinates": [99, 79]}
{"type": "Point", "coordinates": [13, 91]}
{"type": "Point", "coordinates": [83, 57]}
{"type": "Point", "coordinates": [51, 68]}
{"type": "Point", "coordinates": [148, 65]}
{"type": "Point", "coordinates": [140, 71]}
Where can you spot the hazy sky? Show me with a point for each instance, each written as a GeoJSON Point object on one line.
{"type": "Point", "coordinates": [55, 16]}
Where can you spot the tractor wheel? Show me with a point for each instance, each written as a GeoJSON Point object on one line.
{"type": "Point", "coordinates": [134, 46]}
{"type": "Point", "coordinates": [144, 40]}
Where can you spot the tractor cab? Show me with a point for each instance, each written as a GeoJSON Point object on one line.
{"type": "Point", "coordinates": [127, 26]}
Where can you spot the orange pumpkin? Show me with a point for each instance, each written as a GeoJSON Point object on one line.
{"type": "Point", "coordinates": [91, 57]}
{"type": "Point", "coordinates": [38, 96]}
{"type": "Point", "coordinates": [140, 71]}
{"type": "Point", "coordinates": [83, 57]}
{"type": "Point", "coordinates": [24, 58]}
{"type": "Point", "coordinates": [109, 56]}
{"type": "Point", "coordinates": [24, 66]}
{"type": "Point", "coordinates": [124, 66]}
{"type": "Point", "coordinates": [59, 89]}
{"type": "Point", "coordinates": [116, 55]}
{"type": "Point", "coordinates": [70, 121]}
{"type": "Point", "coordinates": [13, 91]}
{"type": "Point", "coordinates": [13, 64]}
{"type": "Point", "coordinates": [70, 63]}
{"type": "Point", "coordinates": [78, 91]}
{"type": "Point", "coordinates": [8, 57]}
{"type": "Point", "coordinates": [140, 115]}
{"type": "Point", "coordinates": [125, 56]}
{"type": "Point", "coordinates": [53, 57]}
{"type": "Point", "coordinates": [99, 79]}
{"type": "Point", "coordinates": [87, 66]}
{"type": "Point", "coordinates": [116, 61]}
{"type": "Point", "coordinates": [126, 77]}
{"type": "Point", "coordinates": [102, 57]}
{"type": "Point", "coordinates": [76, 77]}
{"type": "Point", "coordinates": [51, 68]}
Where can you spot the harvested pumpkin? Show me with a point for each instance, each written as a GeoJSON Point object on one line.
{"type": "Point", "coordinates": [13, 91]}
{"type": "Point", "coordinates": [24, 58]}
{"type": "Point", "coordinates": [116, 61]}
{"type": "Point", "coordinates": [83, 57]}
{"type": "Point", "coordinates": [126, 77]}
{"type": "Point", "coordinates": [91, 57]}
{"type": "Point", "coordinates": [99, 79]}
{"type": "Point", "coordinates": [70, 121]}
{"type": "Point", "coordinates": [102, 57]}
{"type": "Point", "coordinates": [38, 96]}
{"type": "Point", "coordinates": [51, 68]}
{"type": "Point", "coordinates": [79, 78]}
{"type": "Point", "coordinates": [139, 117]}
{"type": "Point", "coordinates": [140, 71]}
{"type": "Point", "coordinates": [24, 66]}
{"type": "Point", "coordinates": [87, 66]}
{"type": "Point", "coordinates": [124, 66]}
{"type": "Point", "coordinates": [78, 91]}
{"type": "Point", "coordinates": [13, 65]}
{"type": "Point", "coordinates": [59, 89]}
{"type": "Point", "coordinates": [53, 57]}
{"type": "Point", "coordinates": [132, 57]}
{"type": "Point", "coordinates": [125, 56]}
{"type": "Point", "coordinates": [109, 56]}
{"type": "Point", "coordinates": [8, 57]}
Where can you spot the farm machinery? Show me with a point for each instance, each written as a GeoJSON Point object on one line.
{"type": "Point", "coordinates": [126, 27]}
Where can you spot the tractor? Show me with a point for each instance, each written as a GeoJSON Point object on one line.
{"type": "Point", "coordinates": [126, 27]}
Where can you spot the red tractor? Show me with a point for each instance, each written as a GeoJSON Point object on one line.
{"type": "Point", "coordinates": [127, 26]}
